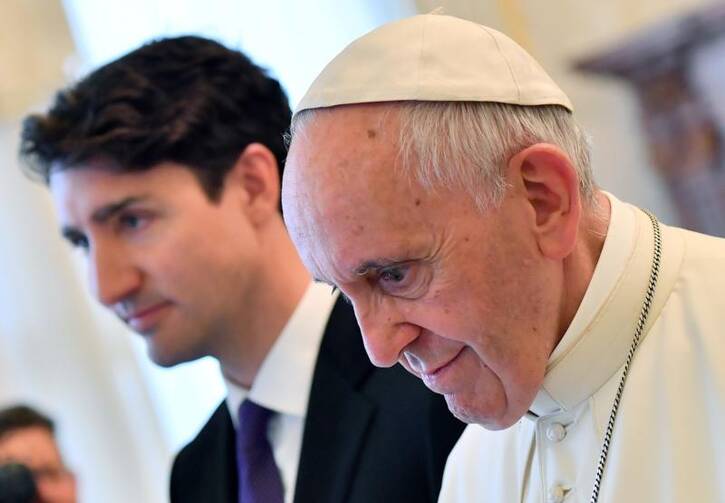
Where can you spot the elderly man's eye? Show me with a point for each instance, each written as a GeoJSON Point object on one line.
{"type": "Point", "coordinates": [393, 274]}
{"type": "Point", "coordinates": [409, 280]}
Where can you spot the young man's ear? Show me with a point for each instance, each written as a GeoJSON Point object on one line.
{"type": "Point", "coordinates": [550, 185]}
{"type": "Point", "coordinates": [255, 174]}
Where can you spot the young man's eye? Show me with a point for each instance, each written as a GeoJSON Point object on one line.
{"type": "Point", "coordinates": [80, 242]}
{"type": "Point", "coordinates": [132, 221]}
{"type": "Point", "coordinates": [77, 240]}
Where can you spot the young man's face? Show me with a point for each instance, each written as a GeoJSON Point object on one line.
{"type": "Point", "coordinates": [35, 448]}
{"type": "Point", "coordinates": [178, 268]}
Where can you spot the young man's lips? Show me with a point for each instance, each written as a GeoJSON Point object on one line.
{"type": "Point", "coordinates": [144, 319]}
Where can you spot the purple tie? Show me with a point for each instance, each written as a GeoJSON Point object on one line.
{"type": "Point", "coordinates": [259, 479]}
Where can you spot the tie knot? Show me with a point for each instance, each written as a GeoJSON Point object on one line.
{"type": "Point", "coordinates": [253, 419]}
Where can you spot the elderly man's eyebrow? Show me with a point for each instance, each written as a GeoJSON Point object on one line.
{"type": "Point", "coordinates": [364, 268]}
{"type": "Point", "coordinates": [375, 265]}
{"type": "Point", "coordinates": [105, 212]}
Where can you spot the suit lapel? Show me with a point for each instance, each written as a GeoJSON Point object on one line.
{"type": "Point", "coordinates": [338, 415]}
{"type": "Point", "coordinates": [206, 469]}
{"type": "Point", "coordinates": [221, 469]}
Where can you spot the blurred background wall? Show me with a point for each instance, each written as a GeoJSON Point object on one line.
{"type": "Point", "coordinates": [121, 419]}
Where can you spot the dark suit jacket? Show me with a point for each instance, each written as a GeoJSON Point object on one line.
{"type": "Point", "coordinates": [371, 435]}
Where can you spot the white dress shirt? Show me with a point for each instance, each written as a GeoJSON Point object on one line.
{"type": "Point", "coordinates": [284, 380]}
{"type": "Point", "coordinates": [669, 438]}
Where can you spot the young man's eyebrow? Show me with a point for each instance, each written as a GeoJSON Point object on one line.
{"type": "Point", "coordinates": [107, 211]}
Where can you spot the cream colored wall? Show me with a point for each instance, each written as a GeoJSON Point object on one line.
{"type": "Point", "coordinates": [56, 350]}
{"type": "Point", "coordinates": [34, 42]}
{"type": "Point", "coordinates": [58, 353]}
{"type": "Point", "coordinates": [557, 32]}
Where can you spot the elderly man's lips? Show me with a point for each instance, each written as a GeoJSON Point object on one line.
{"type": "Point", "coordinates": [441, 379]}
{"type": "Point", "coordinates": [145, 319]}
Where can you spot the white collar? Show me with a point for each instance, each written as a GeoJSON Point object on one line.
{"type": "Point", "coordinates": [595, 345]}
{"type": "Point", "coordinates": [284, 379]}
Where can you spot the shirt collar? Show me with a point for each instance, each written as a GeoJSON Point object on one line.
{"type": "Point", "coordinates": [284, 379]}
{"type": "Point", "coordinates": [595, 345]}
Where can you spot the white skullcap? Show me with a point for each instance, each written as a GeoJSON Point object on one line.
{"type": "Point", "coordinates": [433, 57]}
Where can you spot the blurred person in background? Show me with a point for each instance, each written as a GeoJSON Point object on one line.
{"type": "Point", "coordinates": [27, 438]}
{"type": "Point", "coordinates": [165, 167]}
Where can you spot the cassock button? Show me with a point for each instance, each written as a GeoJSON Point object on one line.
{"type": "Point", "coordinates": [556, 432]}
{"type": "Point", "coordinates": [557, 494]}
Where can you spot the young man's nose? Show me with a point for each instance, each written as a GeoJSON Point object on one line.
{"type": "Point", "coordinates": [111, 275]}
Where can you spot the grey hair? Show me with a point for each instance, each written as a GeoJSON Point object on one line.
{"type": "Point", "coordinates": [466, 145]}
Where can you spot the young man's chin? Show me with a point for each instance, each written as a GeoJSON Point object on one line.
{"type": "Point", "coordinates": [166, 358]}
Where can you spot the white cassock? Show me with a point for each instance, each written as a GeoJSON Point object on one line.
{"type": "Point", "coordinates": [669, 438]}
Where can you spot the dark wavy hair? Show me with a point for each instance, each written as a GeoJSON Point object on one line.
{"type": "Point", "coordinates": [187, 100]}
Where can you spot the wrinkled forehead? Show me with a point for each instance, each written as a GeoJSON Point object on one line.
{"type": "Point", "coordinates": [342, 176]}
{"type": "Point", "coordinates": [348, 129]}
{"type": "Point", "coordinates": [339, 152]}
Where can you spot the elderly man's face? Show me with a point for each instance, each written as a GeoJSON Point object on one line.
{"type": "Point", "coordinates": [464, 300]}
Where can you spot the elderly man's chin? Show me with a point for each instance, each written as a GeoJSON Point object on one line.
{"type": "Point", "coordinates": [471, 412]}
{"type": "Point", "coordinates": [490, 410]}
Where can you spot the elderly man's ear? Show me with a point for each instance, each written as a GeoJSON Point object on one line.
{"type": "Point", "coordinates": [549, 185]}
{"type": "Point", "coordinates": [254, 179]}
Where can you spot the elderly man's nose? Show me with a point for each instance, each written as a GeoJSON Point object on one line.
{"type": "Point", "coordinates": [384, 337]}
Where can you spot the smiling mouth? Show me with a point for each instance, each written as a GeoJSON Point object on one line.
{"type": "Point", "coordinates": [438, 379]}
